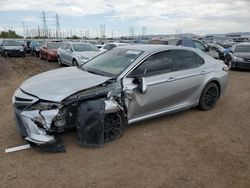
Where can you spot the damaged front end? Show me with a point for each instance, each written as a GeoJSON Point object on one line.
{"type": "Point", "coordinates": [97, 113]}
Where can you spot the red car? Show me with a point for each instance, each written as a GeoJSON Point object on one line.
{"type": "Point", "coordinates": [48, 50]}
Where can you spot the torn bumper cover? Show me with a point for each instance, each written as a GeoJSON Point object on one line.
{"type": "Point", "coordinates": [38, 125]}
{"type": "Point", "coordinates": [34, 122]}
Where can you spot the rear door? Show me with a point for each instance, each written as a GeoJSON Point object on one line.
{"type": "Point", "coordinates": [189, 77]}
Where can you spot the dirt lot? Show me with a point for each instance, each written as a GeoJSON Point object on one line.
{"type": "Point", "coordinates": [188, 149]}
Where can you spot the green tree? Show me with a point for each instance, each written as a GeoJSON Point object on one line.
{"type": "Point", "coordinates": [9, 34]}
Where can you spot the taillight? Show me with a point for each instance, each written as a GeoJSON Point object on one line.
{"type": "Point", "coordinates": [225, 68]}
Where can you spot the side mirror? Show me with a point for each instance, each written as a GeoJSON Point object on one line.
{"type": "Point", "coordinates": [207, 49]}
{"type": "Point", "coordinates": [142, 85]}
{"type": "Point", "coordinates": [231, 51]}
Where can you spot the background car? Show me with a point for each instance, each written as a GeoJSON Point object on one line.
{"type": "Point", "coordinates": [35, 46]}
{"type": "Point", "coordinates": [112, 45]}
{"type": "Point", "coordinates": [241, 56]}
{"type": "Point", "coordinates": [76, 53]}
{"type": "Point", "coordinates": [219, 52]}
{"type": "Point", "coordinates": [12, 48]}
{"type": "Point", "coordinates": [182, 42]}
{"type": "Point", "coordinates": [48, 50]}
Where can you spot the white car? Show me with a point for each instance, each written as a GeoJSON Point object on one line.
{"type": "Point", "coordinates": [112, 45]}
{"type": "Point", "coordinates": [76, 53]}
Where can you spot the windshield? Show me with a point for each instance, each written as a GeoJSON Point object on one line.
{"type": "Point", "coordinates": [242, 48]}
{"type": "Point", "coordinates": [84, 47]}
{"type": "Point", "coordinates": [220, 48]}
{"type": "Point", "coordinates": [54, 45]}
{"type": "Point", "coordinates": [113, 62]}
{"type": "Point", "coordinates": [38, 43]}
{"type": "Point", "coordinates": [12, 43]}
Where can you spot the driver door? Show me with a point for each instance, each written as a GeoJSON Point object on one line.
{"type": "Point", "coordinates": [157, 71]}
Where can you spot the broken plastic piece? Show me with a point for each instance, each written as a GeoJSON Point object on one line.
{"type": "Point", "coordinates": [18, 148]}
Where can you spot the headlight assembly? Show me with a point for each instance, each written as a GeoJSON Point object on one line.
{"type": "Point", "coordinates": [238, 59]}
{"type": "Point", "coordinates": [84, 58]}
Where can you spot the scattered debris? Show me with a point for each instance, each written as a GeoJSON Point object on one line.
{"type": "Point", "coordinates": [18, 148]}
{"type": "Point", "coordinates": [55, 147]}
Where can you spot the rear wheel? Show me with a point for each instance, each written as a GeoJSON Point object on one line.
{"type": "Point", "coordinates": [47, 58]}
{"type": "Point", "coordinates": [75, 63]}
{"type": "Point", "coordinates": [209, 96]}
{"type": "Point", "coordinates": [59, 61]}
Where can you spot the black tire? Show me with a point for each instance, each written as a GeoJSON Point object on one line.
{"type": "Point", "coordinates": [114, 125]}
{"type": "Point", "coordinates": [59, 61]}
{"type": "Point", "coordinates": [74, 63]}
{"type": "Point", "coordinates": [47, 58]}
{"type": "Point", "coordinates": [5, 54]}
{"type": "Point", "coordinates": [230, 65]}
{"type": "Point", "coordinates": [209, 96]}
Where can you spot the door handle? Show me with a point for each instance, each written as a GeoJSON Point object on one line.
{"type": "Point", "coordinates": [203, 72]}
{"type": "Point", "coordinates": [171, 79]}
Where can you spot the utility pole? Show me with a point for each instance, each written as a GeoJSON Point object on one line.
{"type": "Point", "coordinates": [38, 30]}
{"type": "Point", "coordinates": [144, 31]}
{"type": "Point", "coordinates": [131, 32]}
{"type": "Point", "coordinates": [45, 27]}
{"type": "Point", "coordinates": [102, 31]}
{"type": "Point", "coordinates": [57, 26]}
{"type": "Point", "coordinates": [24, 30]}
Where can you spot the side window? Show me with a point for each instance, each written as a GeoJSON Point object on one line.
{"type": "Point", "coordinates": [107, 47]}
{"type": "Point", "coordinates": [63, 46]}
{"type": "Point", "coordinates": [199, 46]}
{"type": "Point", "coordinates": [179, 43]}
{"type": "Point", "coordinates": [199, 60]}
{"type": "Point", "coordinates": [184, 60]}
{"type": "Point", "coordinates": [68, 47]}
{"type": "Point", "coordinates": [159, 63]}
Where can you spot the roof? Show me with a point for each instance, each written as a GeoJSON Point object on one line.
{"type": "Point", "coordinates": [154, 47]}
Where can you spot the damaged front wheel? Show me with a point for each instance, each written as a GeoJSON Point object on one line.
{"type": "Point", "coordinates": [113, 127]}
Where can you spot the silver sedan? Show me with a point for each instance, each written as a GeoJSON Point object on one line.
{"type": "Point", "coordinates": [76, 53]}
{"type": "Point", "coordinates": [120, 87]}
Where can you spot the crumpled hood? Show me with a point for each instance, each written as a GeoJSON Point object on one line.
{"type": "Point", "coordinates": [58, 84]}
{"type": "Point", "coordinates": [242, 54]}
{"type": "Point", "coordinates": [88, 54]}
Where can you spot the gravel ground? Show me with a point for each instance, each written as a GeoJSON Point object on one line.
{"type": "Point", "coordinates": [188, 149]}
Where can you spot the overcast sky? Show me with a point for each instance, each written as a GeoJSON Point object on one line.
{"type": "Point", "coordinates": [159, 16]}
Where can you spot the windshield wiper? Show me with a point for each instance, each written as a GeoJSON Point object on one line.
{"type": "Point", "coordinates": [93, 72]}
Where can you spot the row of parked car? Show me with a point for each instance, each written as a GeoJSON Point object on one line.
{"type": "Point", "coordinates": [77, 53]}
